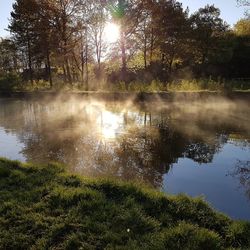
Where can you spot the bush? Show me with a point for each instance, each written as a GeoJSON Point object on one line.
{"type": "Point", "coordinates": [196, 85]}
{"type": "Point", "coordinates": [9, 82]}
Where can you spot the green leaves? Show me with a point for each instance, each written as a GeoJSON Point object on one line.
{"type": "Point", "coordinates": [118, 10]}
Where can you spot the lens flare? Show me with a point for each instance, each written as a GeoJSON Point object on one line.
{"type": "Point", "coordinates": [111, 32]}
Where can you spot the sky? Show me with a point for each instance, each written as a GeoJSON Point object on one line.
{"type": "Point", "coordinates": [5, 9]}
{"type": "Point", "coordinates": [230, 12]}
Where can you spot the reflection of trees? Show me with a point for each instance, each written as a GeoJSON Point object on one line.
{"type": "Point", "coordinates": [150, 139]}
{"type": "Point", "coordinates": [242, 172]}
{"type": "Point", "coordinates": [239, 140]}
{"type": "Point", "coordinates": [203, 152]}
{"type": "Point", "coordinates": [200, 152]}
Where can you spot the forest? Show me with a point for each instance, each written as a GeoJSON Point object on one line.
{"type": "Point", "coordinates": [95, 45]}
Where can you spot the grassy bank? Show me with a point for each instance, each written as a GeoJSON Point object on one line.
{"type": "Point", "coordinates": [42, 207]}
{"type": "Point", "coordinates": [13, 83]}
{"type": "Point", "coordinates": [194, 85]}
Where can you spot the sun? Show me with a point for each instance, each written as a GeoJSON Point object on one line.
{"type": "Point", "coordinates": [111, 32]}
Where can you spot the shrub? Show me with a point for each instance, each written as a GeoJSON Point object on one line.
{"type": "Point", "coordinates": [9, 82]}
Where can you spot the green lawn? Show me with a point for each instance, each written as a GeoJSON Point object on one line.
{"type": "Point", "coordinates": [42, 207]}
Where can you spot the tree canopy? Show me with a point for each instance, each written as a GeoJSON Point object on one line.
{"type": "Point", "coordinates": [65, 41]}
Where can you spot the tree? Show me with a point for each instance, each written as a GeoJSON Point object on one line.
{"type": "Point", "coordinates": [97, 22]}
{"type": "Point", "coordinates": [126, 13]}
{"type": "Point", "coordinates": [145, 35]}
{"type": "Point", "coordinates": [243, 2]}
{"type": "Point", "coordinates": [171, 21]}
{"type": "Point", "coordinates": [157, 39]}
{"type": "Point", "coordinates": [239, 64]}
{"type": "Point", "coordinates": [207, 27]}
{"type": "Point", "coordinates": [47, 38]}
{"type": "Point", "coordinates": [242, 27]}
{"type": "Point", "coordinates": [9, 56]}
{"type": "Point", "coordinates": [65, 14]}
{"type": "Point", "coordinates": [34, 33]}
{"type": "Point", "coordinates": [22, 26]}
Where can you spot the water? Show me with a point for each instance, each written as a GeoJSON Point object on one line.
{"type": "Point", "coordinates": [194, 147]}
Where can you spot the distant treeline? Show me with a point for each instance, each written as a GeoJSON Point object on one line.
{"type": "Point", "coordinates": [64, 41]}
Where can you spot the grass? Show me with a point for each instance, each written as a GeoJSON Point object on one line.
{"type": "Point", "coordinates": [195, 85]}
{"type": "Point", "coordinates": [42, 207]}
{"type": "Point", "coordinates": [12, 83]}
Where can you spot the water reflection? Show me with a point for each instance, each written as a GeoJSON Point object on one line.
{"type": "Point", "coordinates": [242, 172]}
{"type": "Point", "coordinates": [125, 140]}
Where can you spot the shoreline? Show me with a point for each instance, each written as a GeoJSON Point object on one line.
{"type": "Point", "coordinates": [121, 96]}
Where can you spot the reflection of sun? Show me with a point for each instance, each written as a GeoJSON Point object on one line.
{"type": "Point", "coordinates": [109, 125]}
{"type": "Point", "coordinates": [105, 123]}
{"type": "Point", "coordinates": [111, 32]}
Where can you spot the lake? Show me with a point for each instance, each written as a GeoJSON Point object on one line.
{"type": "Point", "coordinates": [200, 147]}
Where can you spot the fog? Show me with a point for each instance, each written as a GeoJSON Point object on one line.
{"type": "Point", "coordinates": [104, 138]}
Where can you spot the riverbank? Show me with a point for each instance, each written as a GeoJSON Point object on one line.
{"type": "Point", "coordinates": [123, 96]}
{"type": "Point", "coordinates": [43, 207]}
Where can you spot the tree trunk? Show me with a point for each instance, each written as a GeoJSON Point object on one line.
{"type": "Point", "coordinates": [145, 47]}
{"type": "Point", "coordinates": [162, 59]}
{"type": "Point", "coordinates": [170, 66]}
{"type": "Point", "coordinates": [123, 49]}
{"type": "Point", "coordinates": [124, 61]}
{"type": "Point", "coordinates": [82, 66]}
{"type": "Point", "coordinates": [151, 45]}
{"type": "Point", "coordinates": [68, 73]}
{"type": "Point", "coordinates": [64, 74]}
{"type": "Point", "coordinates": [87, 65]}
{"type": "Point", "coordinates": [30, 62]}
{"type": "Point", "coordinates": [49, 68]}
{"type": "Point", "coordinates": [145, 57]}
{"type": "Point", "coordinates": [82, 60]}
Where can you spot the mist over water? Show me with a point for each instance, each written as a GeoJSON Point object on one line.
{"type": "Point", "coordinates": [199, 147]}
